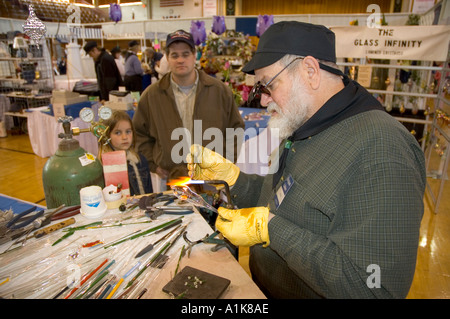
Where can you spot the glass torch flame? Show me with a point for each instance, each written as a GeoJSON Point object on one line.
{"type": "Point", "coordinates": [181, 181]}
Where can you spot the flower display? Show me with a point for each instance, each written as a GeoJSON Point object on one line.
{"type": "Point", "coordinates": [223, 56]}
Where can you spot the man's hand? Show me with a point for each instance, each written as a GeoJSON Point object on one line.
{"type": "Point", "coordinates": [244, 227]}
{"type": "Point", "coordinates": [204, 164]}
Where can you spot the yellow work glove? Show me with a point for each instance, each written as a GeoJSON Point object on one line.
{"type": "Point", "coordinates": [204, 164]}
{"type": "Point", "coordinates": [244, 227]}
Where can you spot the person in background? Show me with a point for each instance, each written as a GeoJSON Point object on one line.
{"type": "Point", "coordinates": [108, 75]}
{"type": "Point", "coordinates": [133, 68]}
{"type": "Point", "coordinates": [150, 59]}
{"type": "Point", "coordinates": [340, 212]}
{"type": "Point", "coordinates": [120, 61]}
{"type": "Point", "coordinates": [62, 66]}
{"type": "Point", "coordinates": [121, 137]}
{"type": "Point", "coordinates": [163, 66]}
{"type": "Point", "coordinates": [172, 104]}
{"type": "Point", "coordinates": [55, 66]}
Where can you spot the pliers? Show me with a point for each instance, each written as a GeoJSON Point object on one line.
{"type": "Point", "coordinates": [20, 226]}
{"type": "Point", "coordinates": [68, 212]}
{"type": "Point", "coordinates": [208, 239]}
{"type": "Point", "coordinates": [147, 203]}
{"type": "Point", "coordinates": [41, 217]}
{"type": "Point", "coordinates": [18, 222]}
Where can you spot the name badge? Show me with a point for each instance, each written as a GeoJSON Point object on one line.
{"type": "Point", "coordinates": [283, 190]}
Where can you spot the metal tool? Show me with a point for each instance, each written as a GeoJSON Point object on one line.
{"type": "Point", "coordinates": [5, 217]}
{"type": "Point", "coordinates": [22, 224]}
{"type": "Point", "coordinates": [18, 220]}
{"type": "Point", "coordinates": [154, 212]}
{"type": "Point", "coordinates": [149, 247]}
{"type": "Point", "coordinates": [208, 239]}
{"type": "Point", "coordinates": [164, 246]}
{"type": "Point", "coordinates": [147, 202]}
{"type": "Point", "coordinates": [229, 203]}
{"type": "Point", "coordinates": [41, 218]}
{"type": "Point", "coordinates": [185, 193]}
{"type": "Point", "coordinates": [49, 229]}
{"type": "Point", "coordinates": [68, 212]}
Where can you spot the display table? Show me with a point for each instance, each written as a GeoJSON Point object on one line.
{"type": "Point", "coordinates": [43, 130]}
{"type": "Point", "coordinates": [63, 83]}
{"type": "Point", "coordinates": [43, 269]}
{"type": "Point", "coordinates": [255, 120]}
{"type": "Point", "coordinates": [28, 100]}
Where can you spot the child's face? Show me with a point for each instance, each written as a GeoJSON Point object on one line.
{"type": "Point", "coordinates": [122, 136]}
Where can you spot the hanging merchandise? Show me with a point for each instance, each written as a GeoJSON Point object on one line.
{"type": "Point", "coordinates": [264, 22]}
{"type": "Point", "coordinates": [218, 26]}
{"type": "Point", "coordinates": [198, 31]}
{"type": "Point", "coordinates": [34, 27]}
{"type": "Point", "coordinates": [156, 44]}
{"type": "Point", "coordinates": [115, 12]}
{"type": "Point", "coordinates": [28, 71]}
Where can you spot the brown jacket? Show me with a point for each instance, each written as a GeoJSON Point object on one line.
{"type": "Point", "coordinates": [157, 117]}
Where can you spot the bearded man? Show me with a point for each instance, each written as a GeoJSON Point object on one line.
{"type": "Point", "coordinates": [340, 212]}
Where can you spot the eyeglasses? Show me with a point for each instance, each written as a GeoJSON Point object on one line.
{"type": "Point", "coordinates": [259, 88]}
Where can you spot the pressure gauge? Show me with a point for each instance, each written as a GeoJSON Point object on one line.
{"type": "Point", "coordinates": [87, 115]}
{"type": "Point", "coordinates": [104, 112]}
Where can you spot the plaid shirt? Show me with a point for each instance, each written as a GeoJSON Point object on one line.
{"type": "Point", "coordinates": [356, 204]}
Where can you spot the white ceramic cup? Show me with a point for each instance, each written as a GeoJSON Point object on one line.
{"type": "Point", "coordinates": [92, 202]}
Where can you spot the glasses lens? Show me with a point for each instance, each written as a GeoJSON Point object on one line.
{"type": "Point", "coordinates": [256, 91]}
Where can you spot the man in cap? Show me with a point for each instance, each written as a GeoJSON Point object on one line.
{"type": "Point", "coordinates": [116, 52]}
{"type": "Point", "coordinates": [339, 214]}
{"type": "Point", "coordinates": [181, 106]}
{"type": "Point", "coordinates": [133, 68]}
{"type": "Point", "coordinates": [108, 75]}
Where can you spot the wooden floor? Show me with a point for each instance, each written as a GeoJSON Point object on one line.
{"type": "Point", "coordinates": [21, 177]}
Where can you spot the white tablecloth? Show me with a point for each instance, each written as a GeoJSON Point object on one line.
{"type": "Point", "coordinates": [43, 131]}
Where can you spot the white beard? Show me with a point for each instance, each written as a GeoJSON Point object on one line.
{"type": "Point", "coordinates": [294, 113]}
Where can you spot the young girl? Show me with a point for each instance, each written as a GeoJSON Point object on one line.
{"type": "Point", "coordinates": [121, 137]}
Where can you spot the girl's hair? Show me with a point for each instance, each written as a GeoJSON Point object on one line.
{"type": "Point", "coordinates": [116, 116]}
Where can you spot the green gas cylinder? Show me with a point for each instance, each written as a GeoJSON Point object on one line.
{"type": "Point", "coordinates": [69, 170]}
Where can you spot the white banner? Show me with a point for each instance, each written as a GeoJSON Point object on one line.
{"type": "Point", "coordinates": [427, 43]}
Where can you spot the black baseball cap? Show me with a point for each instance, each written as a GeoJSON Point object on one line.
{"type": "Point", "coordinates": [132, 43]}
{"type": "Point", "coordinates": [116, 49]}
{"type": "Point", "coordinates": [89, 46]}
{"type": "Point", "coordinates": [292, 37]}
{"type": "Point", "coordinates": [180, 35]}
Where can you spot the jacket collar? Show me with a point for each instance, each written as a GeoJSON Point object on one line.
{"type": "Point", "coordinates": [203, 80]}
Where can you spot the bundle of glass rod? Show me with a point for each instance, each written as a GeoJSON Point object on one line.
{"type": "Point", "coordinates": [94, 262]}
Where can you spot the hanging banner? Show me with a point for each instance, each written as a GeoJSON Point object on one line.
{"type": "Point", "coordinates": [428, 43]}
{"type": "Point", "coordinates": [209, 8]}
